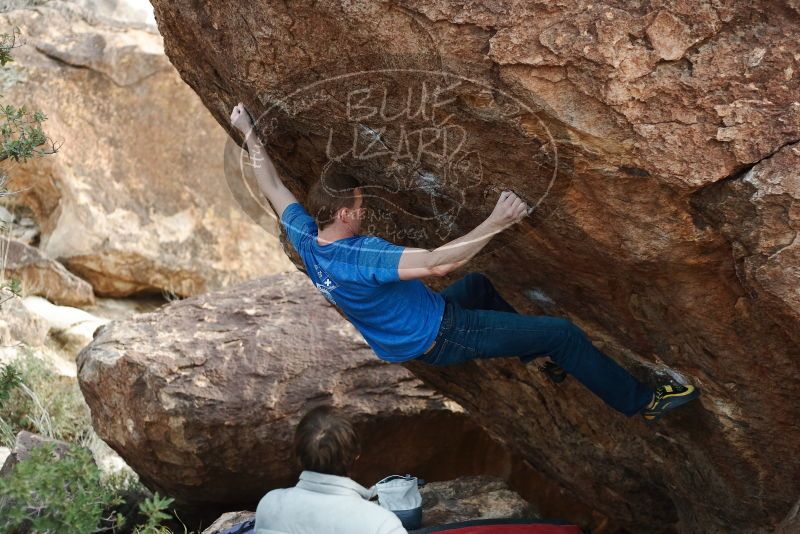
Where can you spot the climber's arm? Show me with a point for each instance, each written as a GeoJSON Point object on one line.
{"type": "Point", "coordinates": [266, 175]}
{"type": "Point", "coordinates": [420, 263]}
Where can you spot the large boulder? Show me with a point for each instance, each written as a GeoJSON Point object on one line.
{"type": "Point", "coordinates": [201, 397]}
{"type": "Point", "coordinates": [135, 200]}
{"type": "Point", "coordinates": [627, 125]}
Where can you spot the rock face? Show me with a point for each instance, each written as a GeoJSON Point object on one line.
{"type": "Point", "coordinates": [201, 398]}
{"type": "Point", "coordinates": [654, 140]}
{"type": "Point", "coordinates": [135, 200]}
{"type": "Point", "coordinates": [791, 523]}
{"type": "Point", "coordinates": [759, 213]}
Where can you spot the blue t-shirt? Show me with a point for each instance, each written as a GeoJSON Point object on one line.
{"type": "Point", "coordinates": [398, 318]}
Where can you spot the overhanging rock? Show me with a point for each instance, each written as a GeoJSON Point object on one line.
{"type": "Point", "coordinates": [609, 117]}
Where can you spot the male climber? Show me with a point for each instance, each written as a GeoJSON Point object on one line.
{"type": "Point", "coordinates": [377, 286]}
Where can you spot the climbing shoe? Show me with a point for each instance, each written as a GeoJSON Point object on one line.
{"type": "Point", "coordinates": [553, 372]}
{"type": "Point", "coordinates": [666, 398]}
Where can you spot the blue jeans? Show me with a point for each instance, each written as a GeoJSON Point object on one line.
{"type": "Point", "coordinates": [479, 324]}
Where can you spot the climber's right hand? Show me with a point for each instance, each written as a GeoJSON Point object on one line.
{"type": "Point", "coordinates": [510, 209]}
{"type": "Point", "coordinates": [240, 119]}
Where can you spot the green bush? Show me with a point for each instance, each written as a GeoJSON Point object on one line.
{"type": "Point", "coordinates": [10, 378]}
{"type": "Point", "coordinates": [59, 496]}
{"type": "Point", "coordinates": [67, 494]}
{"type": "Point", "coordinates": [47, 493]}
{"type": "Point", "coordinates": [154, 509]}
{"type": "Point", "coordinates": [41, 402]}
{"type": "Point", "coordinates": [21, 138]}
{"type": "Point", "coordinates": [21, 134]}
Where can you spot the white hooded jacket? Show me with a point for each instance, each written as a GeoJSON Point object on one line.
{"type": "Point", "coordinates": [324, 504]}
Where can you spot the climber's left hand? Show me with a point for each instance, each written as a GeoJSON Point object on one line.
{"type": "Point", "coordinates": [240, 119]}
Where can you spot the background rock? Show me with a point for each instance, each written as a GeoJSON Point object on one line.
{"type": "Point", "coordinates": [201, 398]}
{"type": "Point", "coordinates": [27, 442]}
{"type": "Point", "coordinates": [127, 12]}
{"type": "Point", "coordinates": [34, 327]}
{"type": "Point", "coordinates": [5, 452]}
{"type": "Point", "coordinates": [72, 328]}
{"type": "Point", "coordinates": [21, 325]}
{"type": "Point", "coordinates": [476, 497]}
{"type": "Point", "coordinates": [135, 201]}
{"type": "Point", "coordinates": [229, 520]}
{"type": "Point", "coordinates": [614, 118]}
{"type": "Point", "coordinates": [40, 275]}
{"type": "Point", "coordinates": [19, 226]}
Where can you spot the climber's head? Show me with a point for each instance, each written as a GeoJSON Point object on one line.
{"type": "Point", "coordinates": [325, 442]}
{"type": "Point", "coordinates": [336, 199]}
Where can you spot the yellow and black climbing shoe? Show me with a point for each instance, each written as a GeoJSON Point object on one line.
{"type": "Point", "coordinates": [553, 372]}
{"type": "Point", "coordinates": [668, 397]}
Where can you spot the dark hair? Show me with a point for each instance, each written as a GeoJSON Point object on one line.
{"type": "Point", "coordinates": [325, 442]}
{"type": "Point", "coordinates": [331, 193]}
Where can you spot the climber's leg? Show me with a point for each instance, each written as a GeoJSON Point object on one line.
{"type": "Point", "coordinates": [476, 292]}
{"type": "Point", "coordinates": [476, 334]}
